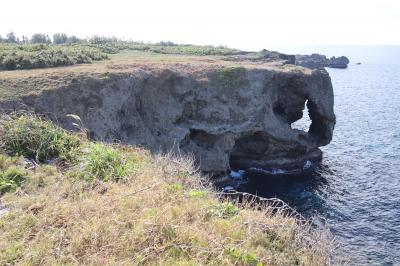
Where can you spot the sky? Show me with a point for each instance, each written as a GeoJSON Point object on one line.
{"type": "Point", "coordinates": [247, 25]}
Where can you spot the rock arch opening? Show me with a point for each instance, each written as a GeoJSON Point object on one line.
{"type": "Point", "coordinates": [304, 122]}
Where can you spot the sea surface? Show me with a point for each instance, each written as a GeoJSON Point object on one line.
{"type": "Point", "coordinates": [356, 188]}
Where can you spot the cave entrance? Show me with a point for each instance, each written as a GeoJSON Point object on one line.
{"type": "Point", "coordinates": [304, 122]}
{"type": "Point", "coordinates": [249, 148]}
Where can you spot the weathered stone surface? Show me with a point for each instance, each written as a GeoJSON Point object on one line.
{"type": "Point", "coordinates": [315, 61]}
{"type": "Point", "coordinates": [225, 115]}
{"type": "Point", "coordinates": [312, 61]}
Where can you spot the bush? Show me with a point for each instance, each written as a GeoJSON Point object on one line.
{"type": "Point", "coordinates": [105, 163]}
{"type": "Point", "coordinates": [230, 77]}
{"type": "Point", "coordinates": [12, 178]}
{"type": "Point", "coordinates": [13, 56]}
{"type": "Point", "coordinates": [33, 137]}
{"type": "Point", "coordinates": [224, 210]}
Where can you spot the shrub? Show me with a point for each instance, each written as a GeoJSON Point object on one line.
{"type": "Point", "coordinates": [223, 210]}
{"type": "Point", "coordinates": [240, 257]}
{"type": "Point", "coordinates": [105, 163]}
{"type": "Point", "coordinates": [197, 193]}
{"type": "Point", "coordinates": [13, 56]}
{"type": "Point", "coordinates": [33, 137]}
{"type": "Point", "coordinates": [12, 178]}
{"type": "Point", "coordinates": [230, 77]}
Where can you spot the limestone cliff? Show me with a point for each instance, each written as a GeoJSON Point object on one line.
{"type": "Point", "coordinates": [227, 114]}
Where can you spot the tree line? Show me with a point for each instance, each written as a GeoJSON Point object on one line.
{"type": "Point", "coordinates": [57, 38]}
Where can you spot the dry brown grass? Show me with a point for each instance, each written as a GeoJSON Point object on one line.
{"type": "Point", "coordinates": [165, 214]}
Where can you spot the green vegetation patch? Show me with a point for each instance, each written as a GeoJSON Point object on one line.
{"type": "Point", "coordinates": [28, 56]}
{"type": "Point", "coordinates": [104, 162]}
{"type": "Point", "coordinates": [197, 193]}
{"type": "Point", "coordinates": [240, 257]}
{"type": "Point", "coordinates": [230, 77]}
{"type": "Point", "coordinates": [224, 210]}
{"type": "Point", "coordinates": [40, 52]}
{"type": "Point", "coordinates": [114, 46]}
{"type": "Point", "coordinates": [12, 178]}
{"type": "Point", "coordinates": [33, 137]}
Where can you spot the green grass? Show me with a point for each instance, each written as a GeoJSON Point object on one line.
{"type": "Point", "coordinates": [223, 210]}
{"type": "Point", "coordinates": [28, 56]}
{"type": "Point", "coordinates": [12, 178]}
{"type": "Point", "coordinates": [33, 137]}
{"type": "Point", "coordinates": [230, 77]}
{"type": "Point", "coordinates": [105, 163]}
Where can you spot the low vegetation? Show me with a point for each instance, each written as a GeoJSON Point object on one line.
{"type": "Point", "coordinates": [40, 51]}
{"type": "Point", "coordinates": [230, 77]}
{"type": "Point", "coordinates": [120, 205]}
{"type": "Point", "coordinates": [32, 137]}
{"type": "Point", "coordinates": [27, 56]}
{"type": "Point", "coordinates": [105, 163]}
{"type": "Point", "coordinates": [164, 48]}
{"type": "Point", "coordinates": [12, 175]}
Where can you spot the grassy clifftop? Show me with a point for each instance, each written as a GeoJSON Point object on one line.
{"type": "Point", "coordinates": [72, 201]}
{"type": "Point", "coordinates": [30, 56]}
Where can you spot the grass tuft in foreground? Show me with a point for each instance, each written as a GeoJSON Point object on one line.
{"type": "Point", "coordinates": [33, 137]}
{"type": "Point", "coordinates": [11, 175]}
{"type": "Point", "coordinates": [164, 213]}
{"type": "Point", "coordinates": [105, 162]}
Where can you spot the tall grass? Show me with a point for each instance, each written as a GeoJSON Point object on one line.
{"type": "Point", "coordinates": [105, 163]}
{"type": "Point", "coordinates": [11, 178]}
{"type": "Point", "coordinates": [33, 137]}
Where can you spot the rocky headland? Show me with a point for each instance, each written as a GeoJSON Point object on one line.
{"type": "Point", "coordinates": [227, 112]}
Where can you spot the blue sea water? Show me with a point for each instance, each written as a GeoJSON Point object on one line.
{"type": "Point", "coordinates": [356, 188]}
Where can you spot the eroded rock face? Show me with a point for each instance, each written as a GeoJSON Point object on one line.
{"type": "Point", "coordinates": [312, 61]}
{"type": "Point", "coordinates": [315, 61]}
{"type": "Point", "coordinates": [225, 116]}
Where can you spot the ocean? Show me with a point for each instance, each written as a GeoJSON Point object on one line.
{"type": "Point", "coordinates": [356, 188]}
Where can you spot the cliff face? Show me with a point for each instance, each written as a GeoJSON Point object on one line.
{"type": "Point", "coordinates": [227, 115]}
